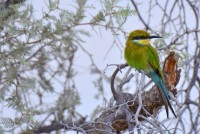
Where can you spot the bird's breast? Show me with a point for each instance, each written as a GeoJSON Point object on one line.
{"type": "Point", "coordinates": [136, 56]}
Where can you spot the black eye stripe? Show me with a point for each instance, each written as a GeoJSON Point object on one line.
{"type": "Point", "coordinates": [146, 37]}
{"type": "Point", "coordinates": [140, 37]}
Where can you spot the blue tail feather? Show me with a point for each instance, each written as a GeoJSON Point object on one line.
{"type": "Point", "coordinates": [158, 81]}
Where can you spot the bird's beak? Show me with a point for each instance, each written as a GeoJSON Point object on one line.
{"type": "Point", "coordinates": [154, 36]}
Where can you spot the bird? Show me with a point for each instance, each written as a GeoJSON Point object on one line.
{"type": "Point", "coordinates": [140, 55]}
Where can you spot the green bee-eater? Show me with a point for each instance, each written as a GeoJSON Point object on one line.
{"type": "Point", "coordinates": [141, 55]}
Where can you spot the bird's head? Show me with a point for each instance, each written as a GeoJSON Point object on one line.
{"type": "Point", "coordinates": [141, 37]}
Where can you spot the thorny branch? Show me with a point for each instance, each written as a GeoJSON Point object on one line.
{"type": "Point", "coordinates": [180, 19]}
{"type": "Point", "coordinates": [171, 22]}
{"type": "Point", "coordinates": [127, 112]}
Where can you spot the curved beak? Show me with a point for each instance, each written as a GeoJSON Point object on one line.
{"type": "Point", "coordinates": [154, 36]}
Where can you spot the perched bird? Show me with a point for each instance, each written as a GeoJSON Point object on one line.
{"type": "Point", "coordinates": [141, 55]}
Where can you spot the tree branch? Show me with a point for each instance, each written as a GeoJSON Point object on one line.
{"type": "Point", "coordinates": [121, 116]}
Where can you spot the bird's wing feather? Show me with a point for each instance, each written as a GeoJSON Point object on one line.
{"type": "Point", "coordinates": [157, 77]}
{"type": "Point", "coordinates": [154, 61]}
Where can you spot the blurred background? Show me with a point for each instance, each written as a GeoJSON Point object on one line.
{"type": "Point", "coordinates": [57, 58]}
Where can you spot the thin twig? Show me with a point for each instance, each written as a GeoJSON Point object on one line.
{"type": "Point", "coordinates": [113, 78]}
{"type": "Point", "coordinates": [140, 87]}
{"type": "Point", "coordinates": [175, 99]}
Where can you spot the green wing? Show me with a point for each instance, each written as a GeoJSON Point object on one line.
{"type": "Point", "coordinates": [153, 60]}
